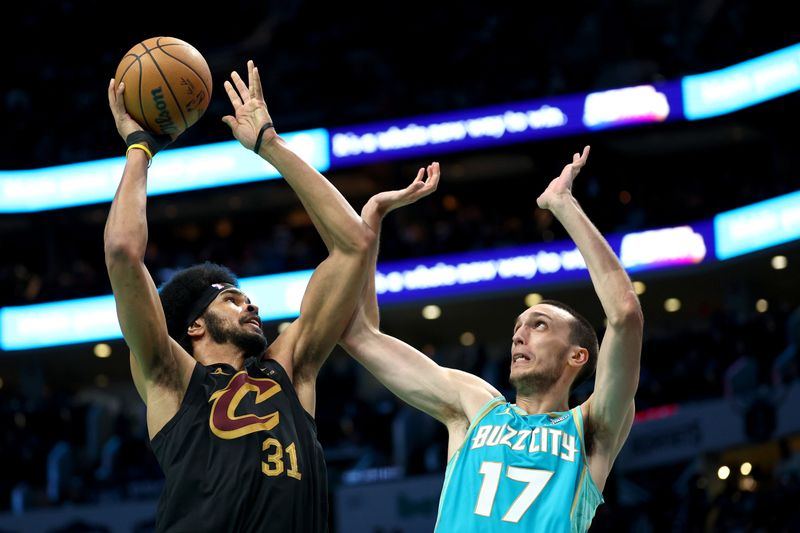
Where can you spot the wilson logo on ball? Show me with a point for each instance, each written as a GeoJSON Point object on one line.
{"type": "Point", "coordinates": [167, 84]}
{"type": "Point", "coordinates": [164, 120]}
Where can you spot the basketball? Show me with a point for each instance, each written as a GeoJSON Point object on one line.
{"type": "Point", "coordinates": [167, 84]}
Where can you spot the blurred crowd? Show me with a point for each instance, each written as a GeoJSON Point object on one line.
{"type": "Point", "coordinates": [92, 446]}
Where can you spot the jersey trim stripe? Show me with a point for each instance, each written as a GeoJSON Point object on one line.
{"type": "Point", "coordinates": [579, 428]}
{"type": "Point", "coordinates": [584, 483]}
{"type": "Point", "coordinates": [485, 410]}
{"type": "Point", "coordinates": [578, 492]}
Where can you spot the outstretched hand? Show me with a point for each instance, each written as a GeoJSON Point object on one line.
{"type": "Point", "coordinates": [560, 188]}
{"type": "Point", "coordinates": [426, 181]}
{"type": "Point", "coordinates": [384, 202]}
{"type": "Point", "coordinates": [249, 107]}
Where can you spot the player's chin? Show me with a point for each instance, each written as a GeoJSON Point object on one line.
{"type": "Point", "coordinates": [254, 343]}
{"type": "Point", "coordinates": [252, 336]}
{"type": "Point", "coordinates": [256, 334]}
{"type": "Point", "coordinates": [518, 372]}
{"type": "Point", "coordinates": [523, 369]}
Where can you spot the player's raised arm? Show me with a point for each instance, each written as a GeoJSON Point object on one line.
{"type": "Point", "coordinates": [252, 125]}
{"type": "Point", "coordinates": [450, 396]}
{"type": "Point", "coordinates": [620, 350]}
{"type": "Point", "coordinates": [161, 361]}
{"type": "Point", "coordinates": [334, 287]}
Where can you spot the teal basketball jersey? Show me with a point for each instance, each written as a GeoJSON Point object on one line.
{"type": "Point", "coordinates": [519, 472]}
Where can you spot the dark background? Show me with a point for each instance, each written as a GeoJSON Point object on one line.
{"type": "Point", "coordinates": [328, 65]}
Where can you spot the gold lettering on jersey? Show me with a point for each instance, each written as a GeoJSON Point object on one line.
{"type": "Point", "coordinates": [224, 421]}
{"type": "Point", "coordinates": [539, 440]}
{"type": "Point", "coordinates": [274, 465]}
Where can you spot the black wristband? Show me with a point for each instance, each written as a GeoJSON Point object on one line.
{"type": "Point", "coordinates": [264, 128]}
{"type": "Point", "coordinates": [154, 142]}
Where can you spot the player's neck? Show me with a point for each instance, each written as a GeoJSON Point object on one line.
{"type": "Point", "coordinates": [548, 402]}
{"type": "Point", "coordinates": [212, 353]}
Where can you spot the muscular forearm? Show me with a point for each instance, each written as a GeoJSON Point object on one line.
{"type": "Point", "coordinates": [372, 217]}
{"type": "Point", "coordinates": [126, 226]}
{"type": "Point", "coordinates": [336, 221]}
{"type": "Point", "coordinates": [365, 323]}
{"type": "Point", "coordinates": [612, 284]}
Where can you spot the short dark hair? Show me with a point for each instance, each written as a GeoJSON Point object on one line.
{"type": "Point", "coordinates": [181, 292]}
{"type": "Point", "coordinates": [582, 334]}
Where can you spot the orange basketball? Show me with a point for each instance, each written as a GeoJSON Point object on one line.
{"type": "Point", "coordinates": [167, 84]}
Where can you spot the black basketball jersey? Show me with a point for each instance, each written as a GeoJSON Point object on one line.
{"type": "Point", "coordinates": [241, 455]}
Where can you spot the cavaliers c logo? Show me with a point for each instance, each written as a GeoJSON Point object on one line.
{"type": "Point", "coordinates": [223, 420]}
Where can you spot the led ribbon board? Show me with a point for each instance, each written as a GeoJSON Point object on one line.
{"type": "Point", "coordinates": [757, 226]}
{"type": "Point", "coordinates": [278, 296]}
{"type": "Point", "coordinates": [743, 85]}
{"type": "Point", "coordinates": [504, 124]}
{"type": "Point", "coordinates": [174, 170]}
{"type": "Point", "coordinates": [95, 319]}
{"type": "Point", "coordinates": [536, 265]}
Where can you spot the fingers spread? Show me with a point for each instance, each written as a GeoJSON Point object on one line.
{"type": "Point", "coordinates": [256, 84]}
{"type": "Point", "coordinates": [232, 95]}
{"type": "Point", "coordinates": [433, 175]}
{"type": "Point", "coordinates": [251, 78]}
{"type": "Point", "coordinates": [580, 161]}
{"type": "Point", "coordinates": [244, 93]}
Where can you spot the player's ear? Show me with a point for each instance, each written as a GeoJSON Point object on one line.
{"type": "Point", "coordinates": [197, 328]}
{"type": "Point", "coordinates": [578, 357]}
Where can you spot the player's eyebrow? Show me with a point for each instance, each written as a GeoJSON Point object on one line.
{"type": "Point", "coordinates": [236, 291]}
{"type": "Point", "coordinates": [518, 321]}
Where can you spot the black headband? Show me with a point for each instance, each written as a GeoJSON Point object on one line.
{"type": "Point", "coordinates": [203, 301]}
